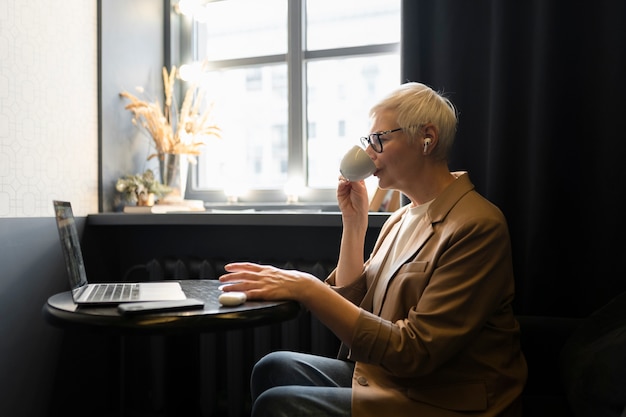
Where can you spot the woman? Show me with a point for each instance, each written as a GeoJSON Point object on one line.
{"type": "Point", "coordinates": [426, 323]}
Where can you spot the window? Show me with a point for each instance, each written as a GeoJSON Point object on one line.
{"type": "Point", "coordinates": [292, 82]}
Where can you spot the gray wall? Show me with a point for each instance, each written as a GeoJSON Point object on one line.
{"type": "Point", "coordinates": [131, 55]}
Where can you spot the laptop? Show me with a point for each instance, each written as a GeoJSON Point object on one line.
{"type": "Point", "coordinates": [85, 293]}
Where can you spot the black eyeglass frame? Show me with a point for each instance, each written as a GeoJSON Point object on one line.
{"type": "Point", "coordinates": [374, 143]}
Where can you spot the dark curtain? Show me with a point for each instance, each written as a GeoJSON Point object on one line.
{"type": "Point", "coordinates": [541, 88]}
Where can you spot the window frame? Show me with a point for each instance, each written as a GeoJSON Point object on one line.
{"type": "Point", "coordinates": [296, 60]}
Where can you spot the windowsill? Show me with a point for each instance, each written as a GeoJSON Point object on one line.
{"type": "Point", "coordinates": [236, 215]}
{"type": "Point", "coordinates": [272, 207]}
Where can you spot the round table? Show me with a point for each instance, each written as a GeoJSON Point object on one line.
{"type": "Point", "coordinates": [61, 311]}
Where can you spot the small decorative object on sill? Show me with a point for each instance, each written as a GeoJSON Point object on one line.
{"type": "Point", "coordinates": [141, 189]}
{"type": "Point", "coordinates": [385, 200]}
{"type": "Point", "coordinates": [177, 135]}
{"type": "Point", "coordinates": [144, 199]}
{"type": "Point", "coordinates": [168, 207]}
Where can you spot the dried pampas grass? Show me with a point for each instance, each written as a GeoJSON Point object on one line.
{"type": "Point", "coordinates": [174, 132]}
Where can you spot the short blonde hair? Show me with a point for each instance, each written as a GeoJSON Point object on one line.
{"type": "Point", "coordinates": [415, 105]}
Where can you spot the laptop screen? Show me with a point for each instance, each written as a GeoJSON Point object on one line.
{"type": "Point", "coordinates": [70, 244]}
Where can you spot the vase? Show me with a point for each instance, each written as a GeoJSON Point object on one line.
{"type": "Point", "coordinates": [173, 168]}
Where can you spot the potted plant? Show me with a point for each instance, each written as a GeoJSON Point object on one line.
{"type": "Point", "coordinates": [141, 189]}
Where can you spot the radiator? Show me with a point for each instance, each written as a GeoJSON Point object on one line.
{"type": "Point", "coordinates": [216, 367]}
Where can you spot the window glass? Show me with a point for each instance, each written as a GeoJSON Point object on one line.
{"type": "Point", "coordinates": [338, 24]}
{"type": "Point", "coordinates": [252, 114]}
{"type": "Point", "coordinates": [276, 130]}
{"type": "Point", "coordinates": [340, 94]}
{"type": "Point", "coordinates": [242, 28]}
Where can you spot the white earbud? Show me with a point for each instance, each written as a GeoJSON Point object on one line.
{"type": "Point", "coordinates": [426, 143]}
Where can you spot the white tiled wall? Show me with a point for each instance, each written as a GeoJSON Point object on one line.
{"type": "Point", "coordinates": [48, 106]}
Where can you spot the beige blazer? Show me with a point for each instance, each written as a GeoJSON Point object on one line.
{"type": "Point", "coordinates": [445, 341]}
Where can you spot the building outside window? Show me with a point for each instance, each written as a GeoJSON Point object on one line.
{"type": "Point", "coordinates": [292, 82]}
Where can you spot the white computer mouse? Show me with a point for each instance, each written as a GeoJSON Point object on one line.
{"type": "Point", "coordinates": [232, 298]}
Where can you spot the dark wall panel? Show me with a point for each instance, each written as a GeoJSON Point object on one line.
{"type": "Point", "coordinates": [32, 269]}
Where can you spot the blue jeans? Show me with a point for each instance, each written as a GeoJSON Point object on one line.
{"type": "Point", "coordinates": [290, 384]}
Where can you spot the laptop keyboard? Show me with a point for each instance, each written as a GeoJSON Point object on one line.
{"type": "Point", "coordinates": [114, 292]}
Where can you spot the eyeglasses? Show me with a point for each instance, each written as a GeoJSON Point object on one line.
{"type": "Point", "coordinates": [374, 140]}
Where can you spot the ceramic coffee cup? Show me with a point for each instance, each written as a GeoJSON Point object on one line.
{"type": "Point", "coordinates": [356, 165]}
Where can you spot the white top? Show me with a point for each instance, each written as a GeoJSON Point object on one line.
{"type": "Point", "coordinates": [408, 225]}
